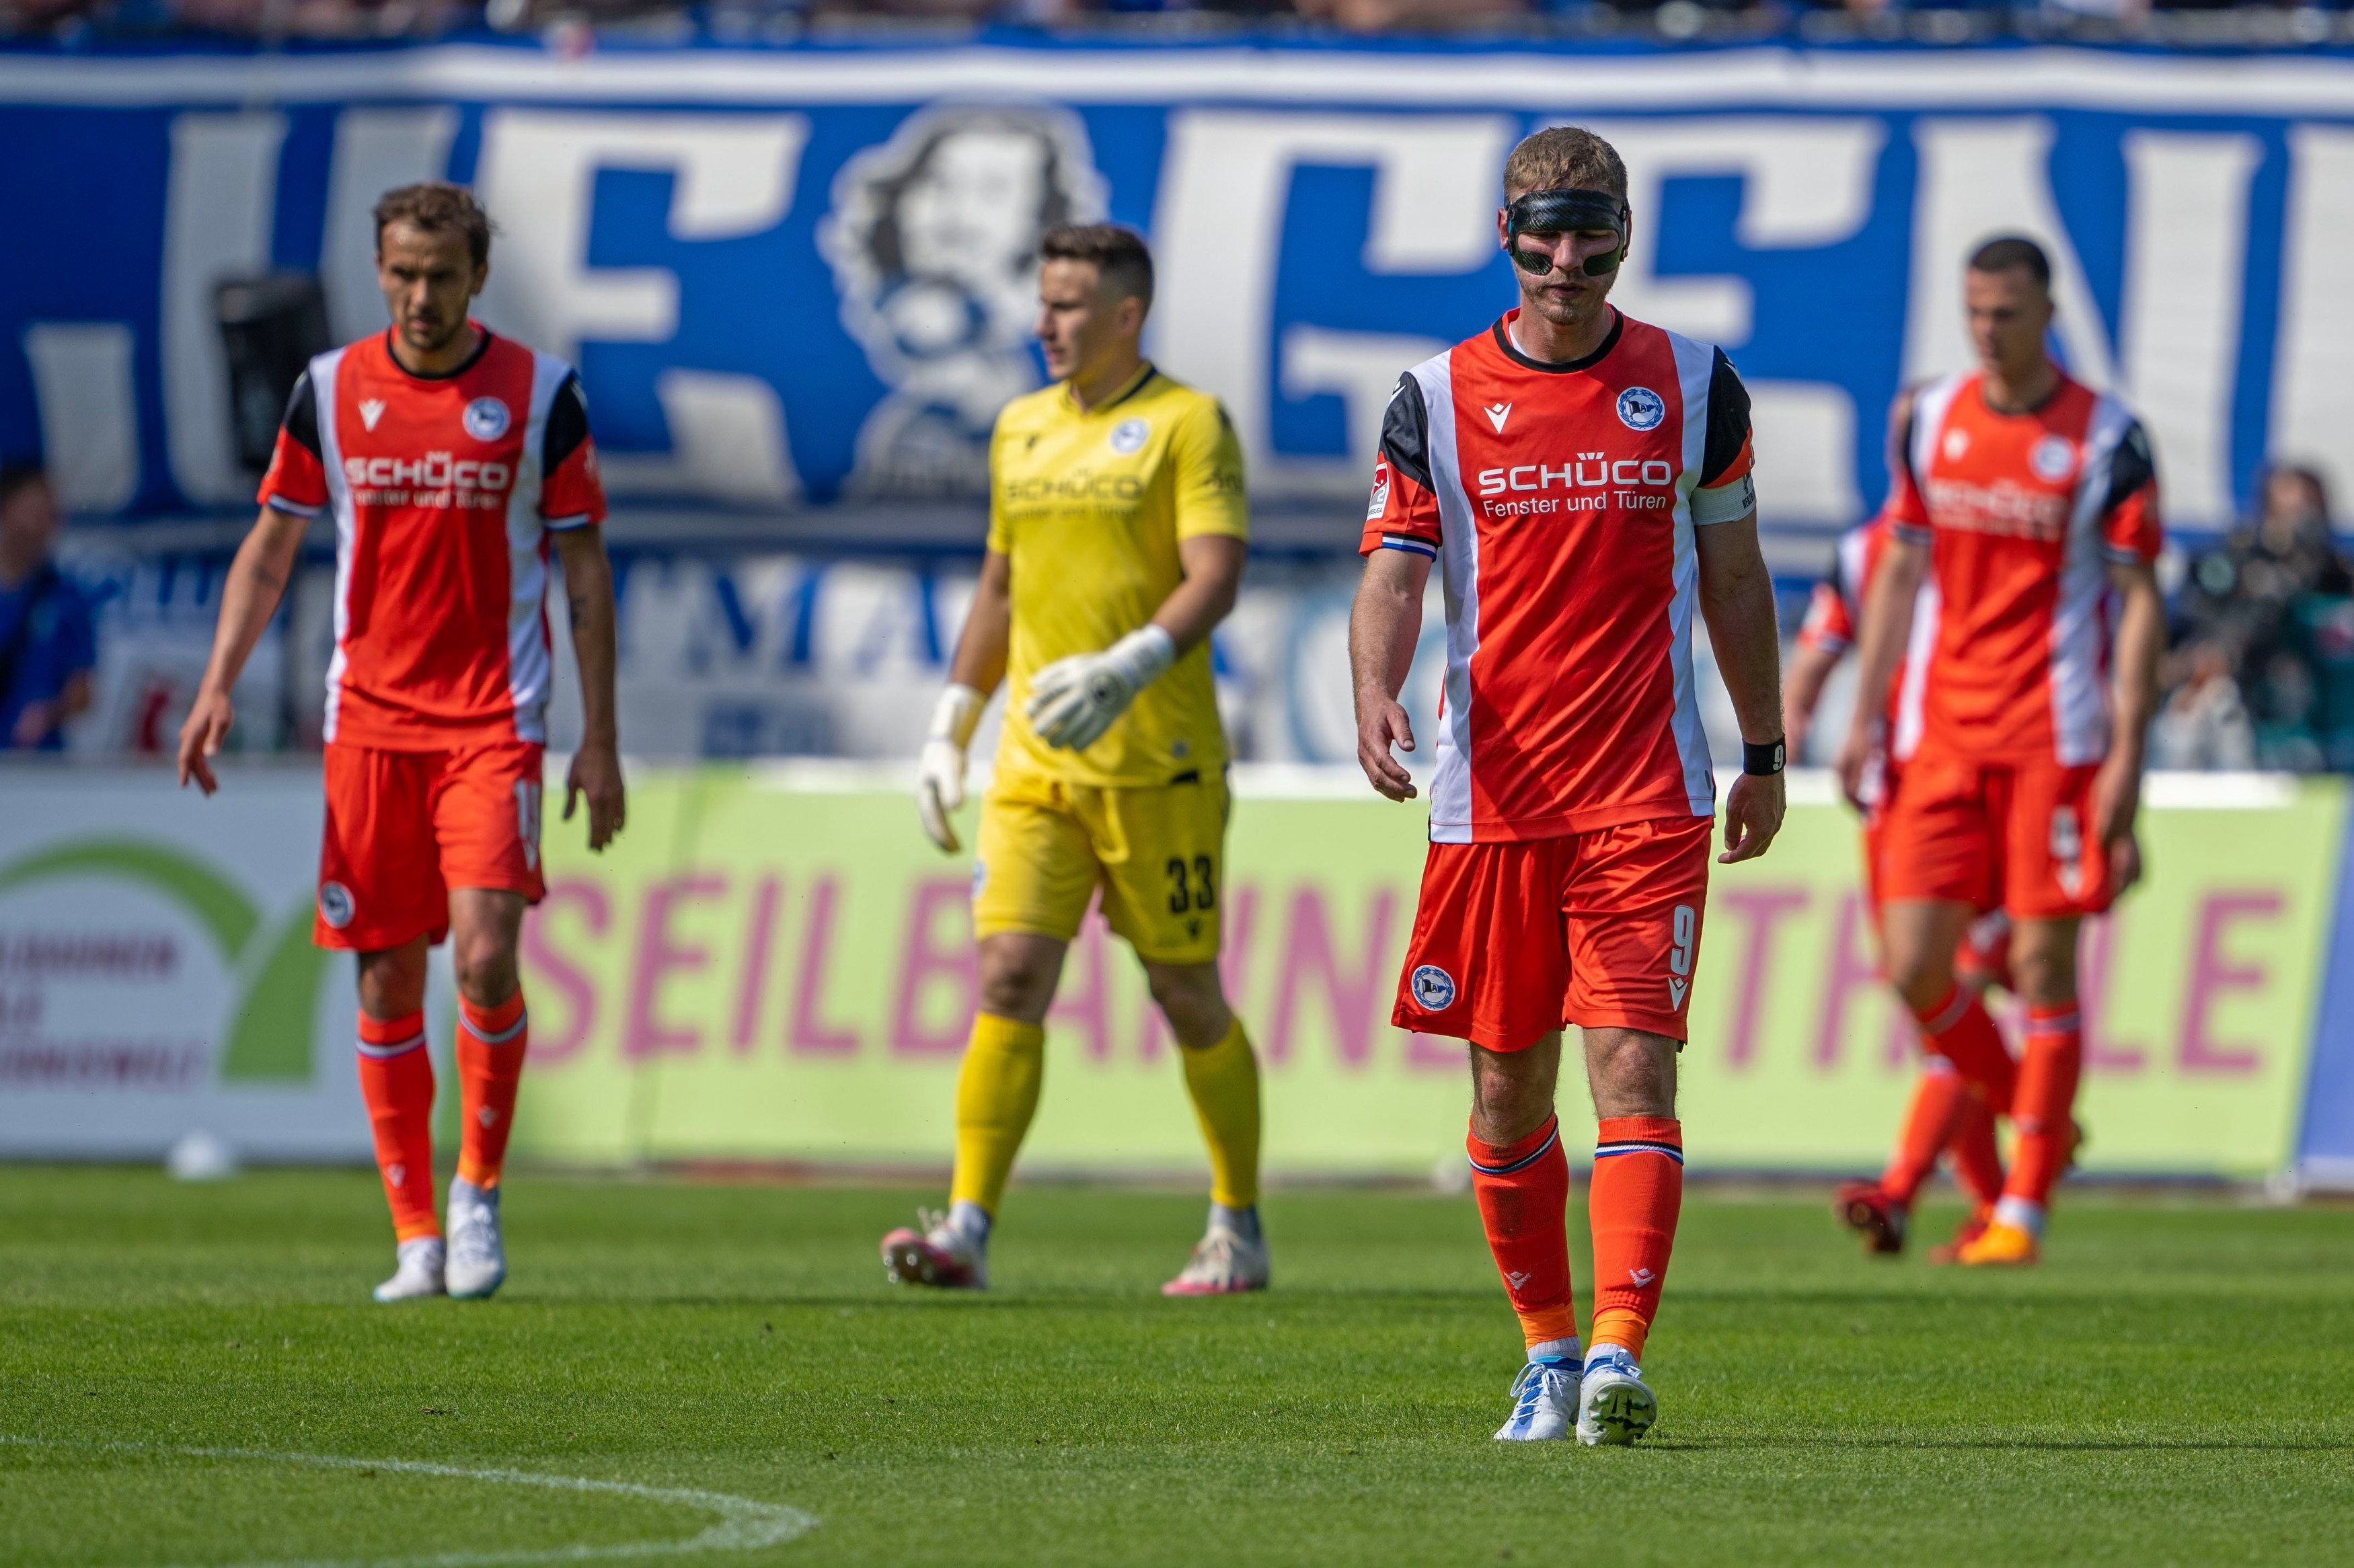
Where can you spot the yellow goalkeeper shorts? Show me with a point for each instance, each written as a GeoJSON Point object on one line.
{"type": "Point", "coordinates": [1157, 852]}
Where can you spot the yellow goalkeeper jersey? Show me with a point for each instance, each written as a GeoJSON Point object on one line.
{"type": "Point", "coordinates": [1089, 504]}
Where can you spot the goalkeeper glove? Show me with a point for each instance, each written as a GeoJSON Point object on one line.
{"type": "Point", "coordinates": [1073, 701]}
{"type": "Point", "coordinates": [940, 768]}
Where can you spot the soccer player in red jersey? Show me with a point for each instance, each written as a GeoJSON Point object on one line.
{"type": "Point", "coordinates": [1582, 480]}
{"type": "Point", "coordinates": [2028, 502]}
{"type": "Point", "coordinates": [1946, 1113]}
{"type": "Point", "coordinates": [449, 460]}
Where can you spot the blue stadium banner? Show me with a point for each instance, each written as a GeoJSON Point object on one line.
{"type": "Point", "coordinates": [799, 275]}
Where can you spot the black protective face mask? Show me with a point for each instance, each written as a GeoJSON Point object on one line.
{"type": "Point", "coordinates": [1566, 212]}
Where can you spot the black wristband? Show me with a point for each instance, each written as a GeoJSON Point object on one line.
{"type": "Point", "coordinates": [1765, 760]}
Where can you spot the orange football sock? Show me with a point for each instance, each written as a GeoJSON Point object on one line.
{"type": "Point", "coordinates": [1961, 1029]}
{"type": "Point", "coordinates": [1978, 1163]}
{"type": "Point", "coordinates": [1637, 1190]}
{"type": "Point", "coordinates": [1929, 1121]}
{"type": "Point", "coordinates": [2043, 1114]}
{"type": "Point", "coordinates": [1523, 1193]}
{"type": "Point", "coordinates": [490, 1045]}
{"type": "Point", "coordinates": [397, 1083]}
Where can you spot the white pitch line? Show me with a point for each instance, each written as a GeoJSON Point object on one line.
{"type": "Point", "coordinates": [744, 1524]}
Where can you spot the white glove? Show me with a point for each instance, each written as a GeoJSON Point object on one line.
{"type": "Point", "coordinates": [939, 767]}
{"type": "Point", "coordinates": [1073, 701]}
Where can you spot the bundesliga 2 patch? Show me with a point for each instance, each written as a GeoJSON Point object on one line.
{"type": "Point", "coordinates": [1380, 501]}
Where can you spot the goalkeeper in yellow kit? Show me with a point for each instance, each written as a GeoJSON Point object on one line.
{"type": "Point", "coordinates": [1116, 542]}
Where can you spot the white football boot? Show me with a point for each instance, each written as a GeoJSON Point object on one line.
{"type": "Point", "coordinates": [1614, 1405]}
{"type": "Point", "coordinates": [1225, 1262]}
{"type": "Point", "coordinates": [478, 1254]}
{"type": "Point", "coordinates": [1544, 1403]}
{"type": "Point", "coordinates": [939, 1254]}
{"type": "Point", "coordinates": [417, 1275]}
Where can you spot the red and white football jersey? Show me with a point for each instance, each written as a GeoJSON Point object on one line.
{"type": "Point", "coordinates": [444, 489]}
{"type": "Point", "coordinates": [2023, 513]}
{"type": "Point", "coordinates": [1835, 621]}
{"type": "Point", "coordinates": [1560, 501]}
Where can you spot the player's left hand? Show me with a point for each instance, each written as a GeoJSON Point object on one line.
{"type": "Point", "coordinates": [1753, 815]}
{"type": "Point", "coordinates": [2125, 861]}
{"type": "Point", "coordinates": [2117, 801]}
{"type": "Point", "coordinates": [596, 774]}
{"type": "Point", "coordinates": [1073, 701]}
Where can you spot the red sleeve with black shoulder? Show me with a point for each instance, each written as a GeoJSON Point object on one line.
{"type": "Point", "coordinates": [1402, 511]}
{"type": "Point", "coordinates": [571, 493]}
{"type": "Point", "coordinates": [2131, 531]}
{"type": "Point", "coordinates": [297, 480]}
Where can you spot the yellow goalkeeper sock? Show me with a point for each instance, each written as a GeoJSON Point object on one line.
{"type": "Point", "coordinates": [1223, 1082]}
{"type": "Point", "coordinates": [996, 1092]}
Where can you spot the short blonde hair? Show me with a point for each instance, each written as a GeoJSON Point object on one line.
{"type": "Point", "coordinates": [1565, 157]}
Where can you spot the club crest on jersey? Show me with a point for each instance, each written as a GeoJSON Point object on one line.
{"type": "Point", "coordinates": [335, 905]}
{"type": "Point", "coordinates": [486, 419]}
{"type": "Point", "coordinates": [371, 410]}
{"type": "Point", "coordinates": [1434, 988]}
{"type": "Point", "coordinates": [1640, 409]}
{"type": "Point", "coordinates": [1128, 437]}
{"type": "Point", "coordinates": [2054, 459]}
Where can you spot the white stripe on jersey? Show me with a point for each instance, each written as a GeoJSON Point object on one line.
{"type": "Point", "coordinates": [1912, 691]}
{"type": "Point", "coordinates": [529, 667]}
{"type": "Point", "coordinates": [339, 501]}
{"type": "Point", "coordinates": [1696, 371]}
{"type": "Point", "coordinates": [2079, 630]}
{"type": "Point", "coordinates": [1458, 561]}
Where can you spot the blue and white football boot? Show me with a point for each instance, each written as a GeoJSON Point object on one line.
{"type": "Point", "coordinates": [478, 1253]}
{"type": "Point", "coordinates": [1614, 1405]}
{"type": "Point", "coordinates": [1545, 1402]}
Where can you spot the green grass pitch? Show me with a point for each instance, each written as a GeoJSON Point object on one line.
{"type": "Point", "coordinates": [2174, 1386]}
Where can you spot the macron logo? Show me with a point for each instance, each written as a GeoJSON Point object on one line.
{"type": "Point", "coordinates": [1676, 990]}
{"type": "Point", "coordinates": [371, 410]}
{"type": "Point", "coordinates": [1496, 414]}
{"type": "Point", "coordinates": [1641, 1277]}
{"type": "Point", "coordinates": [1515, 1280]}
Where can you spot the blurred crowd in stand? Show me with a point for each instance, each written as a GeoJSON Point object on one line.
{"type": "Point", "coordinates": [2262, 672]}
{"type": "Point", "coordinates": [572, 22]}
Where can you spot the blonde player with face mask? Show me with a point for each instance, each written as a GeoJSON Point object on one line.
{"type": "Point", "coordinates": [1116, 542]}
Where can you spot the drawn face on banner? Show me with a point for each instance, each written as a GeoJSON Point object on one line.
{"type": "Point", "coordinates": [934, 235]}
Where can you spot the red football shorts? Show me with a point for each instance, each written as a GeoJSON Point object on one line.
{"type": "Point", "coordinates": [2015, 836]}
{"type": "Point", "coordinates": [1985, 950]}
{"type": "Point", "coordinates": [406, 827]}
{"type": "Point", "coordinates": [1514, 940]}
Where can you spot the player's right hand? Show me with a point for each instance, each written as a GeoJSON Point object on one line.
{"type": "Point", "coordinates": [201, 736]}
{"type": "Point", "coordinates": [939, 767]}
{"type": "Point", "coordinates": [1381, 725]}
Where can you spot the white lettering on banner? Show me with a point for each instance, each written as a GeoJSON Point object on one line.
{"type": "Point", "coordinates": [2178, 340]}
{"type": "Point", "coordinates": [1225, 182]}
{"type": "Point", "coordinates": [2313, 380]}
{"type": "Point", "coordinates": [735, 175]}
{"type": "Point", "coordinates": [1805, 183]}
{"type": "Point", "coordinates": [223, 199]}
{"type": "Point", "coordinates": [2186, 243]}
{"type": "Point", "coordinates": [1361, 369]}
{"type": "Point", "coordinates": [89, 402]}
